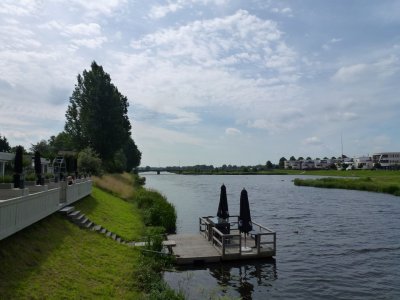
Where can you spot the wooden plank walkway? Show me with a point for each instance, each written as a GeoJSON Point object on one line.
{"type": "Point", "coordinates": [193, 248]}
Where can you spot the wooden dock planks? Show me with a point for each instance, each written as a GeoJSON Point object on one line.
{"type": "Point", "coordinates": [193, 248]}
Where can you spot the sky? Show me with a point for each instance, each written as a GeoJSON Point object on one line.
{"type": "Point", "coordinates": [211, 81]}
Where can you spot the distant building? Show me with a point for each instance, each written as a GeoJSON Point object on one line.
{"type": "Point", "coordinates": [363, 162]}
{"type": "Point", "coordinates": [5, 158]}
{"type": "Point", "coordinates": [387, 160]}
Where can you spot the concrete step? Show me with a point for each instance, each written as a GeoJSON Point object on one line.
{"type": "Point", "coordinates": [74, 214]}
{"type": "Point", "coordinates": [113, 236]}
{"type": "Point", "coordinates": [108, 234]}
{"type": "Point", "coordinates": [103, 230]}
{"type": "Point", "coordinates": [79, 218]}
{"type": "Point", "coordinates": [89, 224]}
{"type": "Point", "coordinates": [67, 209]}
{"type": "Point", "coordinates": [83, 221]}
{"type": "Point", "coordinates": [118, 239]}
{"type": "Point", "coordinates": [97, 228]}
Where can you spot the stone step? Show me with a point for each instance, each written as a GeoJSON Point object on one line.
{"type": "Point", "coordinates": [108, 234]}
{"type": "Point", "coordinates": [74, 214]}
{"type": "Point", "coordinates": [89, 224]}
{"type": "Point", "coordinates": [103, 230]}
{"type": "Point", "coordinates": [118, 239]}
{"type": "Point", "coordinates": [67, 209]}
{"type": "Point", "coordinates": [83, 221]}
{"type": "Point", "coordinates": [79, 218]}
{"type": "Point", "coordinates": [97, 228]}
{"type": "Point", "coordinates": [113, 236]}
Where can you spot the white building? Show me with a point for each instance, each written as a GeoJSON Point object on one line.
{"type": "Point", "coordinates": [5, 158]}
{"type": "Point", "coordinates": [387, 159]}
{"type": "Point", "coordinates": [363, 162]}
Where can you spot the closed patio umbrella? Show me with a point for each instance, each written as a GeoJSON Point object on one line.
{"type": "Point", "coordinates": [223, 211]}
{"type": "Point", "coordinates": [245, 224]}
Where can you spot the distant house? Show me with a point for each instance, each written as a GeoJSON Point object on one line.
{"type": "Point", "coordinates": [363, 162]}
{"type": "Point", "coordinates": [387, 160]}
{"type": "Point", "coordinates": [322, 163]}
{"type": "Point", "coordinates": [46, 165]}
{"type": "Point", "coordinates": [5, 158]}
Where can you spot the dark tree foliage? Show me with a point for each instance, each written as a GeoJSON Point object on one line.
{"type": "Point", "coordinates": [282, 162]}
{"type": "Point", "coordinates": [292, 158]}
{"type": "Point", "coordinates": [4, 145]}
{"type": "Point", "coordinates": [42, 147]}
{"type": "Point", "coordinates": [132, 154]}
{"type": "Point", "coordinates": [269, 165]}
{"type": "Point", "coordinates": [97, 114]}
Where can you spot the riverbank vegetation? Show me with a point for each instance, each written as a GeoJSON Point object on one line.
{"type": "Point", "coordinates": [382, 182]}
{"type": "Point", "coordinates": [55, 259]}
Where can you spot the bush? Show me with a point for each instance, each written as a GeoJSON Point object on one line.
{"type": "Point", "coordinates": [148, 278]}
{"type": "Point", "coordinates": [89, 162]}
{"type": "Point", "coordinates": [157, 210]}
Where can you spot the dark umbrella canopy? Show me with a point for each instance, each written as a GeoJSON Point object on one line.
{"type": "Point", "coordinates": [245, 224]}
{"type": "Point", "coordinates": [223, 211]}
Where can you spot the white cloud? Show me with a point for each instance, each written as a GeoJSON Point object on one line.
{"type": "Point", "coordinates": [98, 7]}
{"type": "Point", "coordinates": [90, 43]}
{"type": "Point", "coordinates": [313, 140]}
{"type": "Point", "coordinates": [232, 131]}
{"type": "Point", "coordinates": [148, 132]}
{"type": "Point", "coordinates": [350, 73]}
{"type": "Point", "coordinates": [160, 11]}
{"type": "Point", "coordinates": [283, 11]}
{"type": "Point", "coordinates": [19, 8]}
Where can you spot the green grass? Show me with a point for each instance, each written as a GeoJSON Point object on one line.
{"type": "Point", "coordinates": [379, 184]}
{"type": "Point", "coordinates": [350, 173]}
{"type": "Point", "coordinates": [119, 216]}
{"type": "Point", "coordinates": [54, 259]}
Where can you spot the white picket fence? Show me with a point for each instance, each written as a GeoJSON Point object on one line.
{"type": "Point", "coordinates": [22, 211]}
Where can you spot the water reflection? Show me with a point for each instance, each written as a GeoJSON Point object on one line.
{"type": "Point", "coordinates": [232, 279]}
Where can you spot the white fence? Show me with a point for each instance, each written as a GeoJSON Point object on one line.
{"type": "Point", "coordinates": [18, 213]}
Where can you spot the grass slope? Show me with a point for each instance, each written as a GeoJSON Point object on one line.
{"type": "Point", "coordinates": [54, 259]}
{"type": "Point", "coordinates": [113, 213]}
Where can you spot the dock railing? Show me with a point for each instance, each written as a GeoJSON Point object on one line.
{"type": "Point", "coordinates": [261, 239]}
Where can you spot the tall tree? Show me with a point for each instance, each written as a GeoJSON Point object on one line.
{"type": "Point", "coordinates": [282, 162]}
{"type": "Point", "coordinates": [97, 114]}
{"type": "Point", "coordinates": [132, 154]}
{"type": "Point", "coordinates": [4, 145]}
{"type": "Point", "coordinates": [269, 165]}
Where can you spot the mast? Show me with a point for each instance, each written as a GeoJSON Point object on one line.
{"type": "Point", "coordinates": [341, 142]}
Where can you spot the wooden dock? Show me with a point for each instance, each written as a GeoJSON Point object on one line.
{"type": "Point", "coordinates": [211, 245]}
{"type": "Point", "coordinates": [192, 249]}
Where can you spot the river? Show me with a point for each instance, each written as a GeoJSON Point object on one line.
{"type": "Point", "coordinates": [331, 244]}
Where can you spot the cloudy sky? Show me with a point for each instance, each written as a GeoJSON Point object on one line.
{"type": "Point", "coordinates": [211, 81]}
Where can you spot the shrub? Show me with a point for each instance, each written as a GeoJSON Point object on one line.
{"type": "Point", "coordinates": [157, 210]}
{"type": "Point", "coordinates": [89, 161]}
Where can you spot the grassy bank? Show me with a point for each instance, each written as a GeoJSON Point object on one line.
{"type": "Point", "coordinates": [55, 259]}
{"type": "Point", "coordinates": [380, 184]}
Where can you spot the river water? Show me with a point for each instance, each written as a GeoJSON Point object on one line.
{"type": "Point", "coordinates": [331, 244]}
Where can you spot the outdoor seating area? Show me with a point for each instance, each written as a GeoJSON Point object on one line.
{"type": "Point", "coordinates": [260, 242]}
{"type": "Point", "coordinates": [224, 237]}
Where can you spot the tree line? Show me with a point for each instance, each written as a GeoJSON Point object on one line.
{"type": "Point", "coordinates": [97, 127]}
